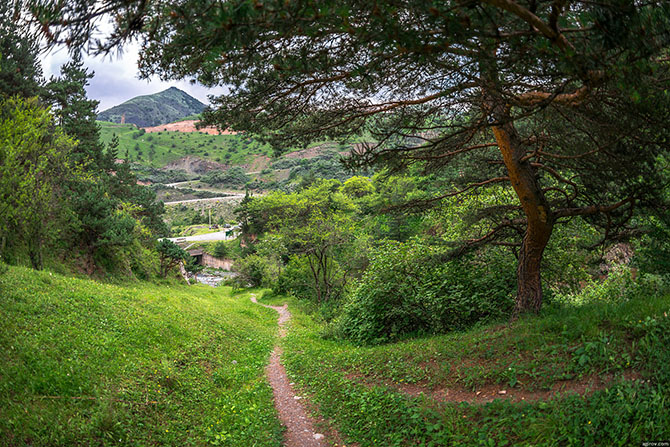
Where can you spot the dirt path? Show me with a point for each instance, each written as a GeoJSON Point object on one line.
{"type": "Point", "coordinates": [299, 426]}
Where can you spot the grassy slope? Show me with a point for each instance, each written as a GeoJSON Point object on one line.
{"type": "Point", "coordinates": [363, 389]}
{"type": "Point", "coordinates": [84, 363]}
{"type": "Point", "coordinates": [226, 149]}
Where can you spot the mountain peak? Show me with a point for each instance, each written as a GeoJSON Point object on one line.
{"type": "Point", "coordinates": [159, 108]}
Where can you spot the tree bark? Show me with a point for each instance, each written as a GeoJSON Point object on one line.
{"type": "Point", "coordinates": [540, 219]}
{"type": "Point", "coordinates": [35, 253]}
{"type": "Point", "coordinates": [529, 281]}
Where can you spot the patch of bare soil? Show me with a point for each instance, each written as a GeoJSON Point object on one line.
{"type": "Point", "coordinates": [312, 152]}
{"type": "Point", "coordinates": [195, 165]}
{"type": "Point", "coordinates": [187, 126]}
{"type": "Point", "coordinates": [299, 425]}
{"type": "Point", "coordinates": [488, 393]}
{"type": "Point", "coordinates": [258, 163]}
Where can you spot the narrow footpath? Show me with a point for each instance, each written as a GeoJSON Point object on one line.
{"type": "Point", "coordinates": [299, 426]}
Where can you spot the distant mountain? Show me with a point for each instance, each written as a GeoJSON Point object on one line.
{"type": "Point", "coordinates": [152, 110]}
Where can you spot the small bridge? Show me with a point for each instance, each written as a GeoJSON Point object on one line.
{"type": "Point", "coordinates": [197, 254]}
{"type": "Point", "coordinates": [203, 258]}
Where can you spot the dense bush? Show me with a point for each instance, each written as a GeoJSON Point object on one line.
{"type": "Point", "coordinates": [297, 279]}
{"type": "Point", "coordinates": [652, 253]}
{"type": "Point", "coordinates": [234, 176]}
{"type": "Point", "coordinates": [405, 292]}
{"type": "Point", "coordinates": [254, 271]}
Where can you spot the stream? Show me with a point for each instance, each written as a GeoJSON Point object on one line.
{"type": "Point", "coordinates": [213, 278]}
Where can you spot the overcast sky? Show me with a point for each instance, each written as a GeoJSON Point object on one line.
{"type": "Point", "coordinates": [116, 78]}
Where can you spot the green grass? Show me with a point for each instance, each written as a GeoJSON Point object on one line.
{"type": "Point", "coordinates": [85, 363]}
{"type": "Point", "coordinates": [171, 146]}
{"type": "Point", "coordinates": [360, 388]}
{"type": "Point", "coordinates": [195, 230]}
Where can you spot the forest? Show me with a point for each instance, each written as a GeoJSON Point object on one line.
{"type": "Point", "coordinates": [480, 256]}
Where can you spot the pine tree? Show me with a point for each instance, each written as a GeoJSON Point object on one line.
{"type": "Point", "coordinates": [20, 71]}
{"type": "Point", "coordinates": [76, 114]}
{"type": "Point", "coordinates": [562, 103]}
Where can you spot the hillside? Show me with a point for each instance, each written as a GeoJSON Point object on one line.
{"type": "Point", "coordinates": [153, 110]}
{"type": "Point", "coordinates": [593, 372]}
{"type": "Point", "coordinates": [186, 125]}
{"type": "Point", "coordinates": [160, 148]}
{"type": "Point", "coordinates": [85, 363]}
{"type": "Point", "coordinates": [198, 152]}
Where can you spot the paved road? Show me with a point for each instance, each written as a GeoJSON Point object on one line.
{"type": "Point", "coordinates": [218, 236]}
{"type": "Point", "coordinates": [230, 197]}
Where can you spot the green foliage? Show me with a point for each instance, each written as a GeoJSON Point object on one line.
{"type": "Point", "coordinates": [404, 291]}
{"type": "Point", "coordinates": [220, 249]}
{"type": "Point", "coordinates": [20, 71]}
{"type": "Point", "coordinates": [34, 166]}
{"type": "Point", "coordinates": [76, 114]}
{"type": "Point", "coordinates": [652, 250]}
{"type": "Point", "coordinates": [314, 228]}
{"type": "Point", "coordinates": [233, 177]}
{"type": "Point", "coordinates": [133, 364]}
{"type": "Point", "coordinates": [254, 271]}
{"type": "Point", "coordinates": [358, 187]}
{"type": "Point", "coordinates": [171, 255]}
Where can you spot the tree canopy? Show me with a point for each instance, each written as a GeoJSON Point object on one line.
{"type": "Point", "coordinates": [563, 101]}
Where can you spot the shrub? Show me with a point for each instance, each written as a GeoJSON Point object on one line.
{"type": "Point", "coordinates": [404, 291]}
{"type": "Point", "coordinates": [254, 271]}
{"type": "Point", "coordinates": [220, 249]}
{"type": "Point", "coordinates": [621, 284]}
{"type": "Point", "coordinates": [234, 176]}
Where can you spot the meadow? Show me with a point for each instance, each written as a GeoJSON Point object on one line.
{"type": "Point", "coordinates": [87, 363]}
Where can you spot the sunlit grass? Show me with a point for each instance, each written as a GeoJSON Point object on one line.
{"type": "Point", "coordinates": [360, 388]}
{"type": "Point", "coordinates": [85, 363]}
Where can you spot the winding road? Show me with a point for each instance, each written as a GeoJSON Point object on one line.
{"type": "Point", "coordinates": [217, 236]}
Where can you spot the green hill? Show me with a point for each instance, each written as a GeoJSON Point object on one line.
{"type": "Point", "coordinates": [85, 363]}
{"type": "Point", "coordinates": [152, 110]}
{"type": "Point", "coordinates": [157, 149]}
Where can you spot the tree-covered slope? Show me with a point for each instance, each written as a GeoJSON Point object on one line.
{"type": "Point", "coordinates": [151, 110]}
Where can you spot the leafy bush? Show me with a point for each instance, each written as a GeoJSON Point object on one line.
{"type": "Point", "coordinates": [652, 254]}
{"type": "Point", "coordinates": [234, 176]}
{"type": "Point", "coordinates": [404, 291]}
{"type": "Point", "coordinates": [254, 271]}
{"type": "Point", "coordinates": [220, 249]}
{"type": "Point", "coordinates": [622, 284]}
{"type": "Point", "coordinates": [170, 255]}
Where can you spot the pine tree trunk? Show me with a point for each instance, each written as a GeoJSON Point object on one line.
{"type": "Point", "coordinates": [35, 253]}
{"type": "Point", "coordinates": [540, 220]}
{"type": "Point", "coordinates": [529, 283]}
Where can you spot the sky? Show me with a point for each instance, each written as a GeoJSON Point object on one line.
{"type": "Point", "coordinates": [116, 77]}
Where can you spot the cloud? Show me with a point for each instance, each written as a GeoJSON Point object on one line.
{"type": "Point", "coordinates": [116, 77]}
